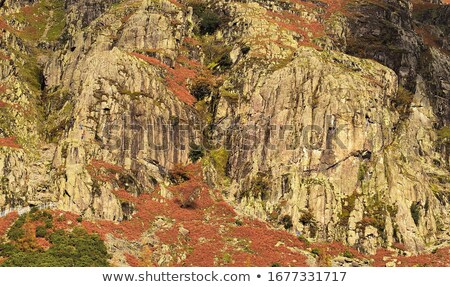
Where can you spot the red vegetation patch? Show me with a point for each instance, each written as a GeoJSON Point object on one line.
{"type": "Point", "coordinates": [309, 29]}
{"type": "Point", "coordinates": [151, 60]}
{"type": "Point", "coordinates": [176, 3]}
{"type": "Point", "coordinates": [108, 166]}
{"type": "Point", "coordinates": [177, 86]}
{"type": "Point", "coordinates": [223, 209]}
{"type": "Point", "coordinates": [176, 78]}
{"type": "Point", "coordinates": [168, 236]}
{"type": "Point", "coordinates": [2, 91]}
{"type": "Point", "coordinates": [297, 24]}
{"type": "Point", "coordinates": [420, 5]}
{"type": "Point", "coordinates": [329, 250]}
{"type": "Point", "coordinates": [191, 41]}
{"type": "Point", "coordinates": [206, 238]}
{"type": "Point", "coordinates": [214, 235]}
{"type": "Point", "coordinates": [9, 142]}
{"type": "Point", "coordinates": [439, 258]}
{"type": "Point", "coordinates": [269, 246]}
{"type": "Point", "coordinates": [64, 220]}
{"type": "Point", "coordinates": [205, 241]}
{"type": "Point", "coordinates": [399, 246]}
{"type": "Point", "coordinates": [204, 253]}
{"type": "Point", "coordinates": [7, 221]}
{"type": "Point", "coordinates": [186, 193]}
{"type": "Point", "coordinates": [124, 195]}
{"type": "Point", "coordinates": [43, 243]}
{"type": "Point", "coordinates": [3, 24]}
{"type": "Point", "coordinates": [192, 193]}
{"type": "Point", "coordinates": [30, 242]}
{"type": "Point", "coordinates": [335, 6]}
{"type": "Point", "coordinates": [430, 39]}
{"type": "Point", "coordinates": [3, 56]}
{"type": "Point", "coordinates": [188, 62]}
{"type": "Point", "coordinates": [103, 171]}
{"type": "Point", "coordinates": [380, 256]}
{"type": "Point", "coordinates": [132, 260]}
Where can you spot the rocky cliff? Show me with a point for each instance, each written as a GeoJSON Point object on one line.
{"type": "Point", "coordinates": [325, 118]}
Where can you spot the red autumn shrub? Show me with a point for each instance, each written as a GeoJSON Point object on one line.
{"type": "Point", "coordinates": [168, 236]}
{"type": "Point", "coordinates": [176, 78]}
{"type": "Point", "coordinates": [124, 195]}
{"type": "Point", "coordinates": [132, 260]}
{"type": "Point", "coordinates": [7, 221]}
{"type": "Point", "coordinates": [9, 142]}
{"type": "Point", "coordinates": [4, 25]}
{"type": "Point", "coordinates": [3, 57]}
{"type": "Point", "coordinates": [103, 171]}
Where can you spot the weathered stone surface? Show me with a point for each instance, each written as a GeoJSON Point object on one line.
{"type": "Point", "coordinates": [332, 146]}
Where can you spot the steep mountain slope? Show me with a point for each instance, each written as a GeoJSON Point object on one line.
{"type": "Point", "coordinates": [325, 118]}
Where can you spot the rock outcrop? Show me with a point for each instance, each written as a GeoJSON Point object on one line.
{"type": "Point", "coordinates": [329, 118]}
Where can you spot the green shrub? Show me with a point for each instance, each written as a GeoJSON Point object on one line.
{"type": "Point", "coordinates": [48, 223]}
{"type": "Point", "coordinates": [201, 90]}
{"type": "Point", "coordinates": [36, 215]}
{"type": "Point", "coordinates": [41, 231]}
{"type": "Point", "coordinates": [362, 170]}
{"type": "Point", "coordinates": [444, 134]}
{"type": "Point", "coordinates": [316, 251]}
{"type": "Point", "coordinates": [196, 152]}
{"type": "Point", "coordinates": [7, 250]}
{"type": "Point", "coordinates": [303, 239]}
{"type": "Point", "coordinates": [209, 20]}
{"type": "Point", "coordinates": [415, 212]}
{"type": "Point", "coordinates": [286, 220]}
{"type": "Point", "coordinates": [306, 218]}
{"type": "Point", "coordinates": [225, 61]}
{"type": "Point", "coordinates": [260, 186]}
{"type": "Point", "coordinates": [217, 55]}
{"type": "Point", "coordinates": [245, 50]}
{"type": "Point", "coordinates": [219, 158]}
{"type": "Point", "coordinates": [402, 102]}
{"type": "Point", "coordinates": [348, 254]}
{"type": "Point", "coordinates": [74, 249]}
{"type": "Point", "coordinates": [16, 233]}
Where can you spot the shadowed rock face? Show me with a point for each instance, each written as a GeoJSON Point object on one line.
{"type": "Point", "coordinates": [89, 10]}
{"type": "Point", "coordinates": [331, 116]}
{"type": "Point", "coordinates": [410, 39]}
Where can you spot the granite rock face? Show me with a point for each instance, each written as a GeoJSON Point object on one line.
{"type": "Point", "coordinates": [329, 118]}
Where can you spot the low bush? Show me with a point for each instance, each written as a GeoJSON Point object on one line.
{"type": "Point", "coordinates": [208, 19]}
{"type": "Point", "coordinates": [348, 254]}
{"type": "Point", "coordinates": [201, 89]}
{"type": "Point", "coordinates": [402, 102]}
{"type": "Point", "coordinates": [41, 231]}
{"type": "Point", "coordinates": [415, 212]}
{"type": "Point", "coordinates": [74, 249]}
{"type": "Point", "coordinates": [196, 152]}
{"type": "Point", "coordinates": [286, 220]}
